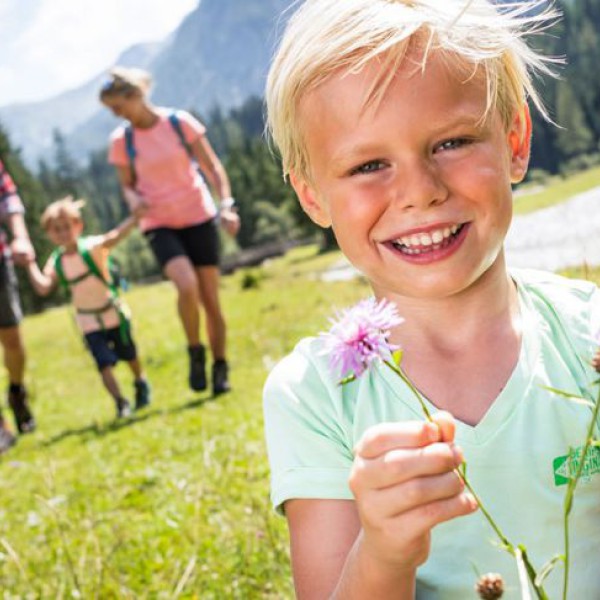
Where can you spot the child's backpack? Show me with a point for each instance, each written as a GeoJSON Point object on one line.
{"type": "Point", "coordinates": [131, 151]}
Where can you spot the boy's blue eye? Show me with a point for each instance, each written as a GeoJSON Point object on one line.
{"type": "Point", "coordinates": [453, 144]}
{"type": "Point", "coordinates": [368, 167]}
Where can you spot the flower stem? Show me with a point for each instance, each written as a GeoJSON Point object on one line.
{"type": "Point", "coordinates": [510, 548]}
{"type": "Point", "coordinates": [571, 490]}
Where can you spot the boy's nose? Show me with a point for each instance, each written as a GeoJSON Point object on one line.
{"type": "Point", "coordinates": [420, 186]}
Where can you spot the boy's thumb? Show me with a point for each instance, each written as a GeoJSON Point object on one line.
{"type": "Point", "coordinates": [445, 422]}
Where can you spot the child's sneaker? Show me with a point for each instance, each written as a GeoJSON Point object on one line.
{"type": "Point", "coordinates": [220, 377]}
{"type": "Point", "coordinates": [197, 378]}
{"type": "Point", "coordinates": [7, 438]}
{"type": "Point", "coordinates": [17, 400]}
{"type": "Point", "coordinates": [142, 394]}
{"type": "Point", "coordinates": [123, 408]}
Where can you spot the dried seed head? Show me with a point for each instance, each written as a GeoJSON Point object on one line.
{"type": "Point", "coordinates": [490, 586]}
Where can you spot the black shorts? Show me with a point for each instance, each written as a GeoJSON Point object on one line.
{"type": "Point", "coordinates": [108, 346]}
{"type": "Point", "coordinates": [10, 305]}
{"type": "Point", "coordinates": [200, 243]}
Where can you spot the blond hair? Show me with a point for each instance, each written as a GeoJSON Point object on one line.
{"type": "Point", "coordinates": [326, 36]}
{"type": "Point", "coordinates": [126, 81]}
{"type": "Point", "coordinates": [67, 208]}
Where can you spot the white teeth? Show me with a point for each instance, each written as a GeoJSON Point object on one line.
{"type": "Point", "coordinates": [427, 239]}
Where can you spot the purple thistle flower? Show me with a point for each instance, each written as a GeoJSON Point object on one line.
{"type": "Point", "coordinates": [359, 336]}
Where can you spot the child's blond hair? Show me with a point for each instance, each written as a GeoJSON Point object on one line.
{"type": "Point", "coordinates": [67, 208]}
{"type": "Point", "coordinates": [326, 36]}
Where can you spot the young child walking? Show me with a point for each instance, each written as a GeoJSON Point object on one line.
{"type": "Point", "coordinates": [81, 264]}
{"type": "Point", "coordinates": [402, 124]}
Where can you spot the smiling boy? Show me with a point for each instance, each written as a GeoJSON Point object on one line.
{"type": "Point", "coordinates": [403, 125]}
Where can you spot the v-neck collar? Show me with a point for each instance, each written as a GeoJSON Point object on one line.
{"type": "Point", "coordinates": [512, 394]}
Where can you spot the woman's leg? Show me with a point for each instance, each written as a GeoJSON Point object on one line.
{"type": "Point", "coordinates": [208, 286]}
{"type": "Point", "coordinates": [181, 272]}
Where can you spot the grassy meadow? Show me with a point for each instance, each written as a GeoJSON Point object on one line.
{"type": "Point", "coordinates": [172, 503]}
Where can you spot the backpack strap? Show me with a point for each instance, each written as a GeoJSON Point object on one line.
{"type": "Point", "coordinates": [176, 125]}
{"type": "Point", "coordinates": [90, 263]}
{"type": "Point", "coordinates": [58, 269]}
{"type": "Point", "coordinates": [131, 153]}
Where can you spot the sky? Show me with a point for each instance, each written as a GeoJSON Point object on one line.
{"type": "Point", "coordinates": [49, 46]}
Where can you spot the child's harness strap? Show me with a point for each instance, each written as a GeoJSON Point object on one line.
{"type": "Point", "coordinates": [93, 270]}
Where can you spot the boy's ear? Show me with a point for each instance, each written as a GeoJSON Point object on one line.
{"type": "Point", "coordinates": [312, 205]}
{"type": "Point", "coordinates": [519, 140]}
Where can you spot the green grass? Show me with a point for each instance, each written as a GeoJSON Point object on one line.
{"type": "Point", "coordinates": [556, 190]}
{"type": "Point", "coordinates": [172, 503]}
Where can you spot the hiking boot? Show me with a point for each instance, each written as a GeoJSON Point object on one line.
{"type": "Point", "coordinates": [197, 378]}
{"type": "Point", "coordinates": [123, 408]}
{"type": "Point", "coordinates": [7, 438]}
{"type": "Point", "coordinates": [220, 377]}
{"type": "Point", "coordinates": [17, 400]}
{"type": "Point", "coordinates": [142, 394]}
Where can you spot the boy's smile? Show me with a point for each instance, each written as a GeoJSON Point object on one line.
{"type": "Point", "coordinates": [417, 187]}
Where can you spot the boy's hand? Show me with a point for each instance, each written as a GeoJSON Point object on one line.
{"type": "Point", "coordinates": [22, 251]}
{"type": "Point", "coordinates": [404, 483]}
{"type": "Point", "coordinates": [596, 361]}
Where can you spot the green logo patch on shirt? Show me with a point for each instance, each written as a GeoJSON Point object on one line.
{"type": "Point", "coordinates": [566, 467]}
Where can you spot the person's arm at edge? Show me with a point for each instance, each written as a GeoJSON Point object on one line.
{"type": "Point", "coordinates": [21, 245]}
{"type": "Point", "coordinates": [327, 557]}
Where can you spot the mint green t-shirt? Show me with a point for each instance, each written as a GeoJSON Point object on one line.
{"type": "Point", "coordinates": [515, 455]}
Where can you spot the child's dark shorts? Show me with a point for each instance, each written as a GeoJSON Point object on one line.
{"type": "Point", "coordinates": [200, 243]}
{"type": "Point", "coordinates": [108, 346]}
{"type": "Point", "coordinates": [10, 306]}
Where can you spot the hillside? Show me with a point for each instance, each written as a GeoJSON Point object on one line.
{"type": "Point", "coordinates": [218, 56]}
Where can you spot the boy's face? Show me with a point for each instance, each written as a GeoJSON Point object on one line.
{"type": "Point", "coordinates": [417, 189]}
{"type": "Point", "coordinates": [64, 231]}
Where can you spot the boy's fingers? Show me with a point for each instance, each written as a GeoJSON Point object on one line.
{"type": "Point", "coordinates": [403, 464]}
{"type": "Point", "coordinates": [398, 499]}
{"type": "Point", "coordinates": [445, 421]}
{"type": "Point", "coordinates": [383, 437]}
{"type": "Point", "coordinates": [420, 520]}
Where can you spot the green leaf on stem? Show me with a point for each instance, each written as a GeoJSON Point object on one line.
{"type": "Point", "coordinates": [572, 397]}
{"type": "Point", "coordinates": [397, 356]}
{"type": "Point", "coordinates": [547, 568]}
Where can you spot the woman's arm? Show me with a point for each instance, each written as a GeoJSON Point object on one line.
{"type": "Point", "coordinates": [217, 178]}
{"type": "Point", "coordinates": [137, 205]}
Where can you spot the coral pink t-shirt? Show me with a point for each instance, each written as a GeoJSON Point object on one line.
{"type": "Point", "coordinates": [166, 178]}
